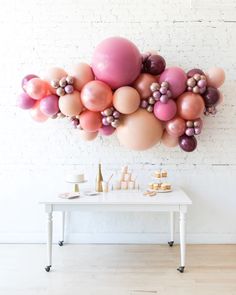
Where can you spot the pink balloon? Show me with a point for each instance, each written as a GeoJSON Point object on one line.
{"type": "Point", "coordinates": [88, 136]}
{"type": "Point", "coordinates": [215, 77]}
{"type": "Point", "coordinates": [70, 104]}
{"type": "Point", "coordinates": [142, 84]}
{"type": "Point", "coordinates": [169, 140]}
{"type": "Point", "coordinates": [54, 73]}
{"type": "Point", "coordinates": [117, 62]}
{"type": "Point", "coordinates": [177, 78]}
{"type": "Point", "coordinates": [176, 127]}
{"type": "Point", "coordinates": [96, 96]}
{"type": "Point", "coordinates": [36, 88]}
{"type": "Point", "coordinates": [36, 114]}
{"type": "Point", "coordinates": [25, 102]}
{"type": "Point", "coordinates": [107, 130]}
{"type": "Point", "coordinates": [82, 74]}
{"type": "Point", "coordinates": [165, 111]}
{"type": "Point", "coordinates": [49, 105]}
{"type": "Point", "coordinates": [190, 106]}
{"type": "Point", "coordinates": [90, 121]}
{"type": "Point", "coordinates": [26, 79]}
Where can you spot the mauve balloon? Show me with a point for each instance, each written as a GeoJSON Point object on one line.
{"type": "Point", "coordinates": [25, 102]}
{"type": "Point", "coordinates": [107, 130]}
{"type": "Point", "coordinates": [211, 96]}
{"type": "Point", "coordinates": [187, 143]}
{"type": "Point", "coordinates": [49, 105]}
{"type": "Point", "coordinates": [117, 62]}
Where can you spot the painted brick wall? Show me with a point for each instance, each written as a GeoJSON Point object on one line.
{"type": "Point", "coordinates": [35, 157]}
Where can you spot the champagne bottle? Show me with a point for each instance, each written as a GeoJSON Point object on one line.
{"type": "Point", "coordinates": [99, 179]}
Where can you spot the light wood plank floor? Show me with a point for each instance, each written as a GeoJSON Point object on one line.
{"type": "Point", "coordinates": [117, 270]}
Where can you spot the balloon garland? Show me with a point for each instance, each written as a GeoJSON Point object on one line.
{"type": "Point", "coordinates": [129, 93]}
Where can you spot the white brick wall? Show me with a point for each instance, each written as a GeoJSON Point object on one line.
{"type": "Point", "coordinates": [38, 34]}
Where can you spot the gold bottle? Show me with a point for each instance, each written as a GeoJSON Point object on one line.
{"type": "Point", "coordinates": [99, 179]}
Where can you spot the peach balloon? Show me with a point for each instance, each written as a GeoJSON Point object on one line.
{"type": "Point", "coordinates": [190, 106]}
{"type": "Point", "coordinates": [90, 121]}
{"type": "Point", "coordinates": [143, 83]}
{"type": "Point", "coordinates": [215, 77]}
{"type": "Point", "coordinates": [139, 131]}
{"type": "Point", "coordinates": [54, 73]}
{"type": "Point", "coordinates": [70, 104]}
{"type": "Point", "coordinates": [169, 140]}
{"type": "Point", "coordinates": [126, 100]}
{"type": "Point", "coordinates": [88, 136]}
{"type": "Point", "coordinates": [36, 114]}
{"type": "Point", "coordinates": [96, 96]}
{"type": "Point", "coordinates": [82, 74]}
{"type": "Point", "coordinates": [176, 127]}
{"type": "Point", "coordinates": [36, 88]}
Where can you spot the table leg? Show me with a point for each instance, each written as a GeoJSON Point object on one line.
{"type": "Point", "coordinates": [60, 243]}
{"type": "Point", "coordinates": [182, 220]}
{"type": "Point", "coordinates": [49, 242]}
{"type": "Point", "coordinates": [172, 228]}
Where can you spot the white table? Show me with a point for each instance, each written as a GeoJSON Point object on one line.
{"type": "Point", "coordinates": [125, 201]}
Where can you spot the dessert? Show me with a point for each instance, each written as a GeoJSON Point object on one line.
{"type": "Point", "coordinates": [166, 186]}
{"type": "Point", "coordinates": [163, 173]}
{"type": "Point", "coordinates": [157, 174]}
{"type": "Point", "coordinates": [76, 178]}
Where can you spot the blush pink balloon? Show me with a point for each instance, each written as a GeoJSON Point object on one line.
{"type": "Point", "coordinates": [169, 140]}
{"type": "Point", "coordinates": [25, 102]}
{"type": "Point", "coordinates": [36, 114]}
{"type": "Point", "coordinates": [26, 79]}
{"type": "Point", "coordinates": [90, 121]}
{"type": "Point", "coordinates": [215, 77]}
{"type": "Point", "coordinates": [126, 100]}
{"type": "Point", "coordinates": [96, 96]}
{"type": "Point", "coordinates": [176, 127]}
{"type": "Point", "coordinates": [165, 111]}
{"type": "Point", "coordinates": [88, 136]}
{"type": "Point", "coordinates": [70, 104]}
{"type": "Point", "coordinates": [54, 73]}
{"type": "Point", "coordinates": [143, 83]}
{"type": "Point", "coordinates": [117, 62]}
{"type": "Point", "coordinates": [49, 105]}
{"type": "Point", "coordinates": [177, 78]}
{"type": "Point", "coordinates": [107, 130]}
{"type": "Point", "coordinates": [36, 88]}
{"type": "Point", "coordinates": [82, 74]}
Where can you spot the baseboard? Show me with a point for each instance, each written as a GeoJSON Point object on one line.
{"type": "Point", "coordinates": [118, 238]}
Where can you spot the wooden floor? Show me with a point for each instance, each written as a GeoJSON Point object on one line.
{"type": "Point", "coordinates": [117, 269]}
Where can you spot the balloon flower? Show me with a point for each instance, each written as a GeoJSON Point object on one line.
{"type": "Point", "coordinates": [125, 93]}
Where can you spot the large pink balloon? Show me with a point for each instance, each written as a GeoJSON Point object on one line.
{"type": "Point", "coordinates": [88, 136]}
{"type": "Point", "coordinates": [25, 102]}
{"type": "Point", "coordinates": [165, 111]}
{"type": "Point", "coordinates": [82, 74]}
{"type": "Point", "coordinates": [96, 96]}
{"type": "Point", "coordinates": [139, 131]}
{"type": "Point", "coordinates": [117, 62]}
{"type": "Point", "coordinates": [143, 83]}
{"type": "Point", "coordinates": [49, 105]}
{"type": "Point", "coordinates": [36, 88]}
{"type": "Point", "coordinates": [90, 121]}
{"type": "Point", "coordinates": [36, 114]}
{"type": "Point", "coordinates": [126, 100]}
{"type": "Point", "coordinates": [169, 140]}
{"type": "Point", "coordinates": [190, 106]}
{"type": "Point", "coordinates": [70, 104]}
{"type": "Point", "coordinates": [177, 78]}
{"type": "Point", "coordinates": [176, 127]}
{"type": "Point", "coordinates": [215, 77]}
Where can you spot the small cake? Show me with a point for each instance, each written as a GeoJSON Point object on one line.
{"type": "Point", "coordinates": [76, 178]}
{"type": "Point", "coordinates": [165, 186]}
{"type": "Point", "coordinates": [163, 173]}
{"type": "Point", "coordinates": [157, 174]}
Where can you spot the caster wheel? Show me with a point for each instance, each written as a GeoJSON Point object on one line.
{"type": "Point", "coordinates": [47, 268]}
{"type": "Point", "coordinates": [171, 243]}
{"type": "Point", "coordinates": [60, 243]}
{"type": "Point", "coordinates": [181, 269]}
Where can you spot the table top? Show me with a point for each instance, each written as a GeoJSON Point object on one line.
{"type": "Point", "coordinates": [125, 197]}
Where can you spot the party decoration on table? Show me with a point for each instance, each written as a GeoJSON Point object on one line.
{"type": "Point", "coordinates": [124, 92]}
{"type": "Point", "coordinates": [126, 180]}
{"type": "Point", "coordinates": [76, 180]}
{"type": "Point", "coordinates": [158, 185]}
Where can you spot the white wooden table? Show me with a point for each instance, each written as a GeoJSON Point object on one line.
{"type": "Point", "coordinates": [125, 201]}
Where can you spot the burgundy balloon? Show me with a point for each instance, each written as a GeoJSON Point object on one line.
{"type": "Point", "coordinates": [187, 143]}
{"type": "Point", "coordinates": [154, 64]}
{"type": "Point", "coordinates": [192, 72]}
{"type": "Point", "coordinates": [211, 96]}
{"type": "Point", "coordinates": [26, 79]}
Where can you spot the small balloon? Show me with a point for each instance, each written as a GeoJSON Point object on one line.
{"type": "Point", "coordinates": [36, 114]}
{"type": "Point", "coordinates": [36, 88]}
{"type": "Point", "coordinates": [49, 105]}
{"type": "Point", "coordinates": [88, 136]}
{"type": "Point", "coordinates": [169, 140]}
{"type": "Point", "coordinates": [90, 121]}
{"type": "Point", "coordinates": [176, 127]}
{"type": "Point", "coordinates": [215, 77]}
{"type": "Point", "coordinates": [192, 72]}
{"type": "Point", "coordinates": [96, 96]}
{"type": "Point", "coordinates": [26, 79]}
{"type": "Point", "coordinates": [143, 83]}
{"type": "Point", "coordinates": [54, 74]}
{"type": "Point", "coordinates": [211, 96]}
{"type": "Point", "coordinates": [25, 102]}
{"type": "Point", "coordinates": [126, 100]}
{"type": "Point", "coordinates": [82, 74]}
{"type": "Point", "coordinates": [190, 106]}
{"type": "Point", "coordinates": [107, 130]}
{"type": "Point", "coordinates": [187, 143]}
{"type": "Point", "coordinates": [70, 104]}
{"type": "Point", "coordinates": [165, 111]}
